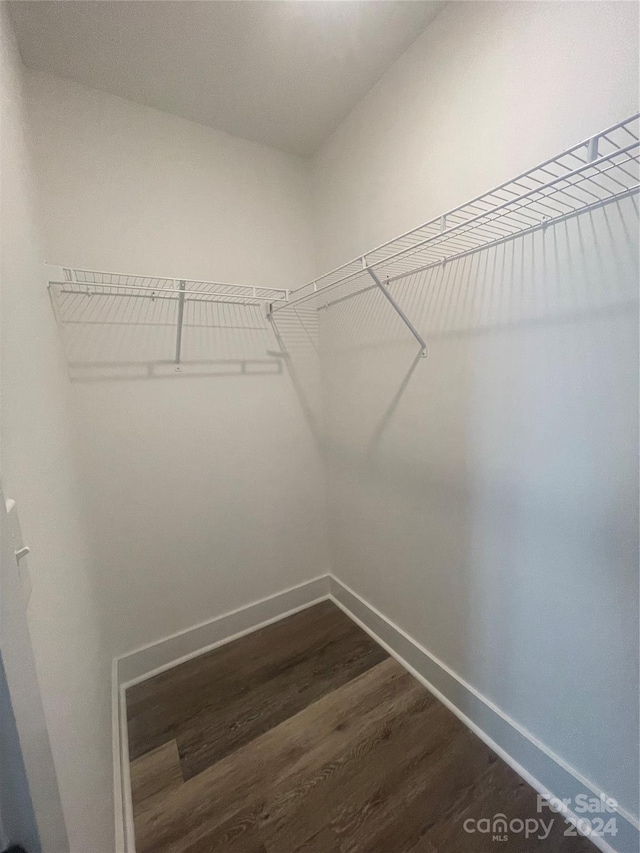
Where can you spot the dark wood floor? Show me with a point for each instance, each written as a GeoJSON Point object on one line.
{"type": "Point", "coordinates": [307, 736]}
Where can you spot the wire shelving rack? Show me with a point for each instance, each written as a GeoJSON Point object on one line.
{"type": "Point", "coordinates": [593, 173]}
{"type": "Point", "coordinates": [71, 281]}
{"type": "Point", "coordinates": [69, 285]}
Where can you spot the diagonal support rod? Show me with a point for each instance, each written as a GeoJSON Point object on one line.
{"type": "Point", "coordinates": [403, 316]}
{"type": "Point", "coordinates": [180, 316]}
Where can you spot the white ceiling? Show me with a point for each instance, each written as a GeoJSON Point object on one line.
{"type": "Point", "coordinates": [281, 73]}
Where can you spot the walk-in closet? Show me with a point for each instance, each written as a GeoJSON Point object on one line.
{"type": "Point", "coordinates": [319, 426]}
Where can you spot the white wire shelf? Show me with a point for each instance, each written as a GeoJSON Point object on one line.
{"type": "Point", "coordinates": [595, 172]}
{"type": "Point", "coordinates": [73, 290]}
{"type": "Point", "coordinates": [80, 282]}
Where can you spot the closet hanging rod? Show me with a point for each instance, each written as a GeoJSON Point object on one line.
{"type": "Point", "coordinates": [595, 172]}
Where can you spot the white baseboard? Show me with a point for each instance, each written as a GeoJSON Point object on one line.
{"type": "Point", "coordinates": [546, 772]}
{"type": "Point", "coordinates": [154, 658]}
{"type": "Point", "coordinates": [149, 660]}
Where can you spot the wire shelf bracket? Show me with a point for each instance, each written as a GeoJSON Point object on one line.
{"type": "Point", "coordinates": [398, 309]}
{"type": "Point", "coordinates": [181, 298]}
{"type": "Point", "coordinates": [597, 171]}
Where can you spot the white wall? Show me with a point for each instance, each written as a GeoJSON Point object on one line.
{"type": "Point", "coordinates": [39, 472]}
{"type": "Point", "coordinates": [487, 91]}
{"type": "Point", "coordinates": [486, 499]}
{"type": "Point", "coordinates": [205, 492]}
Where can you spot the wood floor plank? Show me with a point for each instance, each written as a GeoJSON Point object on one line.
{"type": "Point", "coordinates": [414, 798]}
{"type": "Point", "coordinates": [324, 841]}
{"type": "Point", "coordinates": [284, 756]}
{"type": "Point", "coordinates": [157, 772]}
{"type": "Point", "coordinates": [305, 737]}
{"type": "Point", "coordinates": [504, 792]}
{"type": "Point", "coordinates": [347, 787]}
{"type": "Point", "coordinates": [158, 706]}
{"type": "Point", "coordinates": [210, 736]}
{"type": "Point", "coordinates": [237, 835]}
{"type": "Point", "coordinates": [177, 704]}
{"type": "Point", "coordinates": [245, 657]}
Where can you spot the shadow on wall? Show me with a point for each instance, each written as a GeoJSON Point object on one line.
{"type": "Point", "coordinates": [297, 333]}
{"type": "Point", "coordinates": [486, 498]}
{"type": "Point", "coordinates": [203, 492]}
{"type": "Point", "coordinates": [575, 272]}
{"type": "Point", "coordinates": [111, 338]}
